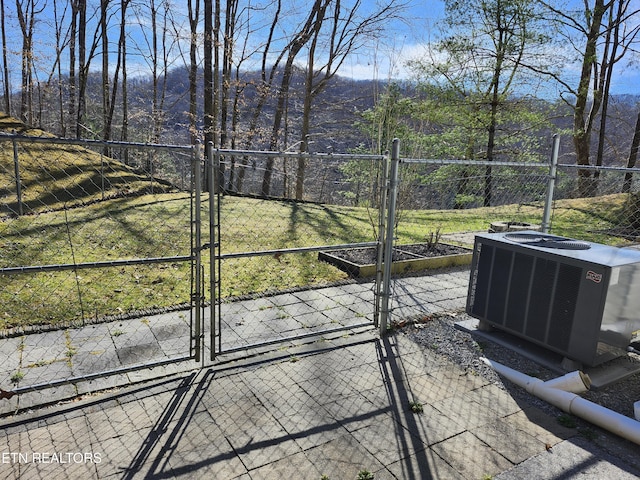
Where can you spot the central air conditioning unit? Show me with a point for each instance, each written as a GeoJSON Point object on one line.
{"type": "Point", "coordinates": [579, 299]}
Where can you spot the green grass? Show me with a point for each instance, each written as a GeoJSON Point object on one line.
{"type": "Point", "coordinates": [159, 225]}
{"type": "Point", "coordinates": [81, 222]}
{"type": "Point", "coordinates": [55, 176]}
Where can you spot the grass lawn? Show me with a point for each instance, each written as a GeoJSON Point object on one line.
{"type": "Point", "coordinates": [83, 207]}
{"type": "Point", "coordinates": [159, 226]}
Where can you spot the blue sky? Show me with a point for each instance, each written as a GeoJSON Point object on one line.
{"type": "Point", "coordinates": [388, 60]}
{"type": "Point", "coordinates": [385, 60]}
{"type": "Point", "coordinates": [406, 40]}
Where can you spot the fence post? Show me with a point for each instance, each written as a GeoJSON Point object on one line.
{"type": "Point", "coordinates": [212, 162]}
{"type": "Point", "coordinates": [382, 214]}
{"type": "Point", "coordinates": [196, 251]}
{"type": "Point", "coordinates": [551, 184]}
{"type": "Point", "coordinates": [388, 240]}
{"type": "Point", "coordinates": [16, 169]}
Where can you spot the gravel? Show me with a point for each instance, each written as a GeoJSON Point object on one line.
{"type": "Point", "coordinates": [439, 333]}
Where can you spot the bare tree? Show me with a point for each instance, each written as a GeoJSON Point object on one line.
{"type": "Point", "coordinates": [583, 120]}
{"type": "Point", "coordinates": [80, 8]}
{"type": "Point", "coordinates": [62, 40]}
{"type": "Point", "coordinates": [263, 88]}
{"type": "Point", "coordinates": [193, 7]}
{"type": "Point", "coordinates": [111, 86]}
{"type": "Point", "coordinates": [122, 55]}
{"type": "Point", "coordinates": [27, 11]}
{"type": "Point", "coordinates": [346, 32]}
{"type": "Point", "coordinates": [600, 45]}
{"type": "Point", "coordinates": [633, 157]}
{"type": "Point", "coordinates": [233, 85]}
{"type": "Point", "coordinates": [620, 35]}
{"type": "Point", "coordinates": [81, 52]}
{"type": "Point", "coordinates": [209, 101]}
{"type": "Point", "coordinates": [5, 62]}
{"type": "Point", "coordinates": [71, 85]}
{"type": "Point", "coordinates": [106, 97]}
{"type": "Point", "coordinates": [155, 46]}
{"type": "Point", "coordinates": [300, 39]}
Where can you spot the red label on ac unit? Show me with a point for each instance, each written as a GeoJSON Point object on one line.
{"type": "Point", "coordinates": [594, 277]}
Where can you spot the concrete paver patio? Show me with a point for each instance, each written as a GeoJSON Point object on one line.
{"type": "Point", "coordinates": [334, 407]}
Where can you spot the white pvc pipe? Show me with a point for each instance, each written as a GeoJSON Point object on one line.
{"type": "Point", "coordinates": [574, 382]}
{"type": "Point", "coordinates": [571, 403]}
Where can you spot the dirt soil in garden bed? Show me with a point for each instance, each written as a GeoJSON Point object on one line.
{"type": "Point", "coordinates": [368, 255]}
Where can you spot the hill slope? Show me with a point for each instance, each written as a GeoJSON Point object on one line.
{"type": "Point", "coordinates": [53, 176]}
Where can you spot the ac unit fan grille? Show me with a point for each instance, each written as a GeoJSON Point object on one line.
{"type": "Point", "coordinates": [547, 241]}
{"type": "Point", "coordinates": [528, 295]}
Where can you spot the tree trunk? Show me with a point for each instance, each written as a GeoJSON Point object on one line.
{"type": "Point", "coordinates": [26, 18]}
{"type": "Point", "coordinates": [124, 135]}
{"type": "Point", "coordinates": [210, 77]}
{"type": "Point", "coordinates": [194, 14]}
{"type": "Point", "coordinates": [606, 70]}
{"type": "Point", "coordinates": [106, 95]}
{"type": "Point", "coordinates": [83, 66]}
{"type": "Point", "coordinates": [302, 37]}
{"type": "Point", "coordinates": [73, 35]}
{"type": "Point", "coordinates": [582, 127]}
{"type": "Point", "coordinates": [5, 62]}
{"type": "Point", "coordinates": [633, 156]}
{"type": "Point", "coordinates": [306, 113]}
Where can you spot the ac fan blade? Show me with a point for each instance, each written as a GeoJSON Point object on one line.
{"type": "Point", "coordinates": [547, 241]}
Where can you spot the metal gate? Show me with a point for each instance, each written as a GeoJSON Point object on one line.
{"type": "Point", "coordinates": [276, 221]}
{"type": "Point", "coordinates": [115, 257]}
{"type": "Point", "coordinates": [99, 272]}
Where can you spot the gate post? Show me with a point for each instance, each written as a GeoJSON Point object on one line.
{"type": "Point", "coordinates": [196, 252]}
{"type": "Point", "coordinates": [382, 216]}
{"type": "Point", "coordinates": [388, 240]}
{"type": "Point", "coordinates": [213, 172]}
{"type": "Point", "coordinates": [551, 183]}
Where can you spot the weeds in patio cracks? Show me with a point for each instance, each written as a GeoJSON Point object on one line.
{"type": "Point", "coordinates": [364, 475]}
{"type": "Point", "coordinates": [71, 350]}
{"type": "Point", "coordinates": [568, 421]}
{"type": "Point", "coordinates": [416, 407]}
{"type": "Point", "coordinates": [17, 376]}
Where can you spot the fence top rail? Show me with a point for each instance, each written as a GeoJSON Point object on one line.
{"type": "Point", "coordinates": [477, 163]}
{"type": "Point", "coordinates": [486, 163]}
{"type": "Point", "coordinates": [599, 168]}
{"type": "Point", "coordinates": [265, 153]}
{"type": "Point", "coordinates": [10, 137]}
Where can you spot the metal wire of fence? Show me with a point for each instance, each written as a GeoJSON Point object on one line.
{"type": "Point", "coordinates": [446, 202]}
{"type": "Point", "coordinates": [95, 252]}
{"type": "Point", "coordinates": [280, 226]}
{"type": "Point", "coordinates": [101, 236]}
{"type": "Point", "coordinates": [609, 214]}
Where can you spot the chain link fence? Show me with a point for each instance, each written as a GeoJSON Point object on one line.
{"type": "Point", "coordinates": [284, 220]}
{"type": "Point", "coordinates": [95, 252]}
{"type": "Point", "coordinates": [597, 204]}
{"type": "Point", "coordinates": [441, 204]}
{"type": "Point", "coordinates": [106, 248]}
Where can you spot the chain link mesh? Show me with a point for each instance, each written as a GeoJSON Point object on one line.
{"type": "Point", "coordinates": [101, 236]}
{"type": "Point", "coordinates": [98, 236]}
{"type": "Point", "coordinates": [279, 278]}
{"type": "Point", "coordinates": [610, 213]}
{"type": "Point", "coordinates": [441, 203]}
